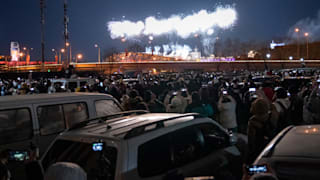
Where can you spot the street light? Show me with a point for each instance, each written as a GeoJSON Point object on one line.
{"type": "Point", "coordinates": [78, 57]}
{"type": "Point", "coordinates": [268, 56]}
{"type": "Point", "coordinates": [68, 45]}
{"type": "Point", "coordinates": [99, 54]}
{"type": "Point", "coordinates": [307, 38]}
{"type": "Point", "coordinates": [297, 30]}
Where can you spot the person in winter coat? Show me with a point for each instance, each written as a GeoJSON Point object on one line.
{"type": "Point", "coordinates": [256, 136]}
{"type": "Point", "coordinates": [313, 107]}
{"type": "Point", "coordinates": [198, 107]}
{"type": "Point", "coordinates": [227, 108]}
{"type": "Point", "coordinates": [153, 104]}
{"type": "Point", "coordinates": [279, 109]}
{"type": "Point", "coordinates": [65, 171]}
{"type": "Point", "coordinates": [134, 102]}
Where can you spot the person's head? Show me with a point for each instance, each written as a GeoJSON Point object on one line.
{"type": "Point", "coordinates": [281, 93]}
{"type": "Point", "coordinates": [259, 107]}
{"type": "Point", "coordinates": [134, 93]}
{"type": "Point", "coordinates": [293, 90]}
{"type": "Point", "coordinates": [204, 94]}
{"type": "Point", "coordinates": [65, 171]}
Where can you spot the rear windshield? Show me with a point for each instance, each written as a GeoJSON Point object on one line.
{"type": "Point", "coordinates": [106, 107]}
{"type": "Point", "coordinates": [97, 164]}
{"type": "Point", "coordinates": [15, 125]}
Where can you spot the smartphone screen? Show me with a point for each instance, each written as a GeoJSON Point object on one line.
{"type": "Point", "coordinates": [252, 89]}
{"type": "Point", "coordinates": [254, 169]}
{"type": "Point", "coordinates": [97, 146]}
{"type": "Point", "coordinates": [225, 92]}
{"type": "Point", "coordinates": [18, 155]}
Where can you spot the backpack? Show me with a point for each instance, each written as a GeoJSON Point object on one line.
{"type": "Point", "coordinates": [284, 119]}
{"type": "Point", "coordinates": [269, 130]}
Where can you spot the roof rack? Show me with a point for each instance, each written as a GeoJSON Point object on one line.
{"type": "Point", "coordinates": [159, 124]}
{"type": "Point", "coordinates": [104, 118]}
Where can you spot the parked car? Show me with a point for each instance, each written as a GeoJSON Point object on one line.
{"type": "Point", "coordinates": [293, 153]}
{"type": "Point", "coordinates": [38, 119]}
{"type": "Point", "coordinates": [148, 146]}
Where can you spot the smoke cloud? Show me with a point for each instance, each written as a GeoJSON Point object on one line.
{"type": "Point", "coordinates": [202, 22]}
{"type": "Point", "coordinates": [309, 25]}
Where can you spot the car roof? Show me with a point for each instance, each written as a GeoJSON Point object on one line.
{"type": "Point", "coordinates": [300, 141]}
{"type": "Point", "coordinates": [35, 98]}
{"type": "Point", "coordinates": [131, 126]}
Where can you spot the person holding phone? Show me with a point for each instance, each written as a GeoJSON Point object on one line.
{"type": "Point", "coordinates": [227, 107]}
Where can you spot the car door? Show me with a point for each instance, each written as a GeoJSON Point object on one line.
{"type": "Point", "coordinates": [199, 150]}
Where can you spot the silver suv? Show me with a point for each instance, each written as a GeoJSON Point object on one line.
{"type": "Point", "coordinates": [147, 146]}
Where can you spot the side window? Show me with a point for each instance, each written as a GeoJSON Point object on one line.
{"type": "Point", "coordinates": [51, 119]}
{"type": "Point", "coordinates": [15, 125]}
{"type": "Point", "coordinates": [106, 107]}
{"type": "Point", "coordinates": [188, 144]}
{"type": "Point", "coordinates": [75, 113]}
{"type": "Point", "coordinates": [214, 137]}
{"type": "Point", "coordinates": [155, 157]}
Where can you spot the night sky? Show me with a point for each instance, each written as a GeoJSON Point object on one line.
{"type": "Point", "coordinates": [258, 20]}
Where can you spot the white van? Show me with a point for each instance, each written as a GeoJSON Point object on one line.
{"type": "Point", "coordinates": [38, 119]}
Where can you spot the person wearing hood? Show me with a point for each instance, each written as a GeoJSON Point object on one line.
{"type": "Point", "coordinates": [257, 137]}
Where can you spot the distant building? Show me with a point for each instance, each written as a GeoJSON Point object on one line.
{"type": "Point", "coordinates": [15, 51]}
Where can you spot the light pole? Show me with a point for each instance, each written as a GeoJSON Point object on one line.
{"type": "Point", "coordinates": [60, 54]}
{"type": "Point", "coordinates": [21, 55]}
{"type": "Point", "coordinates": [56, 54]}
{"type": "Point", "coordinates": [99, 54]}
{"type": "Point", "coordinates": [307, 38]}
{"type": "Point", "coordinates": [69, 54]}
{"type": "Point", "coordinates": [297, 30]}
{"type": "Point", "coordinates": [268, 56]}
{"type": "Point", "coordinates": [78, 57]}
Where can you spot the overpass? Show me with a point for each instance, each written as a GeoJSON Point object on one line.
{"type": "Point", "coordinates": [168, 66]}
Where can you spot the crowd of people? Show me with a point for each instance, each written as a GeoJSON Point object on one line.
{"type": "Point", "coordinates": [259, 110]}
